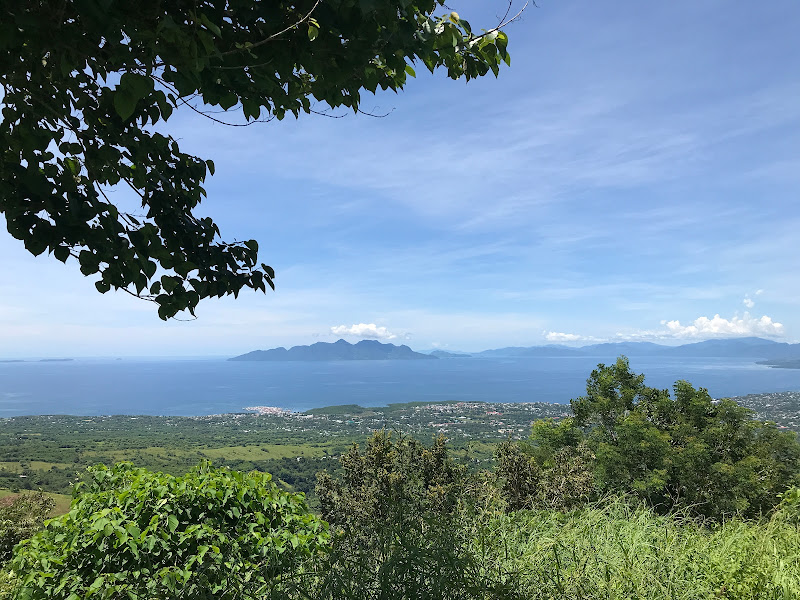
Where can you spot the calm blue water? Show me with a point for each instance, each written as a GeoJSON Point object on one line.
{"type": "Point", "coordinates": [202, 387]}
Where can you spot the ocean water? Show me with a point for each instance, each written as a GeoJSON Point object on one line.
{"type": "Point", "coordinates": [203, 387]}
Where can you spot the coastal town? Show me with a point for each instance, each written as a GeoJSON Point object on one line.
{"type": "Point", "coordinates": [478, 420]}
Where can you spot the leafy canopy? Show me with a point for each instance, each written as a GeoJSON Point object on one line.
{"type": "Point", "coordinates": [85, 82]}
{"type": "Point", "coordinates": [131, 533]}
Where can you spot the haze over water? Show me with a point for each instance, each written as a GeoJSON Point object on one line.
{"type": "Point", "coordinates": [214, 386]}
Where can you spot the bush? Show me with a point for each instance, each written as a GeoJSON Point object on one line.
{"type": "Point", "coordinates": [403, 530]}
{"type": "Point", "coordinates": [789, 508]}
{"type": "Point", "coordinates": [131, 533]}
{"type": "Point", "coordinates": [21, 517]}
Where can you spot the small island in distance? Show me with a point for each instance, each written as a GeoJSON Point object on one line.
{"type": "Point", "coordinates": [21, 360]}
{"type": "Point", "coordinates": [339, 350]}
{"type": "Point", "coordinates": [444, 354]}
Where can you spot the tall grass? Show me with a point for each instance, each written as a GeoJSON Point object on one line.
{"type": "Point", "coordinates": [612, 551]}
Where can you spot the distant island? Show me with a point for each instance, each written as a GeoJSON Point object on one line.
{"type": "Point", "coordinates": [445, 354]}
{"type": "Point", "coordinates": [22, 360]}
{"type": "Point", "coordinates": [782, 364]}
{"type": "Point", "coordinates": [745, 348]}
{"type": "Point", "coordinates": [339, 350]}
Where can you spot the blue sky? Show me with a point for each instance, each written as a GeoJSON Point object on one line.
{"type": "Point", "coordinates": [634, 175]}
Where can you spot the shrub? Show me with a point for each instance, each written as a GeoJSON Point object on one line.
{"type": "Point", "coordinates": [789, 508]}
{"type": "Point", "coordinates": [21, 517]}
{"type": "Point", "coordinates": [401, 528]}
{"type": "Point", "coordinates": [131, 533]}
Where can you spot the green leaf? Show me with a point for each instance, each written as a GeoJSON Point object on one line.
{"type": "Point", "coordinates": [61, 253]}
{"type": "Point", "coordinates": [410, 71]}
{"type": "Point", "coordinates": [368, 6]}
{"type": "Point", "coordinates": [213, 28]}
{"type": "Point", "coordinates": [136, 84]}
{"type": "Point", "coordinates": [228, 100]}
{"type": "Point", "coordinates": [124, 103]}
{"type": "Point", "coordinates": [73, 165]}
{"type": "Point", "coordinates": [172, 523]}
{"type": "Point", "coordinates": [313, 32]}
{"type": "Point", "coordinates": [35, 245]}
{"type": "Point", "coordinates": [150, 268]}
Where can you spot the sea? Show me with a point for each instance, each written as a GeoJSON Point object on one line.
{"type": "Point", "coordinates": [195, 387]}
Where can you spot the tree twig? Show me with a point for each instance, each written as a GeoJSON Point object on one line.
{"type": "Point", "coordinates": [275, 35]}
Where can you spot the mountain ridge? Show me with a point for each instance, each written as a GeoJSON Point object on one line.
{"type": "Point", "coordinates": [339, 350]}
{"type": "Point", "coordinates": [758, 349]}
{"type": "Point", "coordinates": [745, 347]}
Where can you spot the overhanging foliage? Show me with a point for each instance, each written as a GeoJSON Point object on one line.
{"type": "Point", "coordinates": [85, 81]}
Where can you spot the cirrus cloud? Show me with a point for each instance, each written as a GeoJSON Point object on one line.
{"type": "Point", "coordinates": [365, 331]}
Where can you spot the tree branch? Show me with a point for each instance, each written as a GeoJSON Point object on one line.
{"type": "Point", "coordinates": [275, 35]}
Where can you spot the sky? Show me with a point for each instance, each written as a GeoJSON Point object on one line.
{"type": "Point", "coordinates": [634, 175]}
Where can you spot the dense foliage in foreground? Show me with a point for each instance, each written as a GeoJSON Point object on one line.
{"type": "Point", "coordinates": [607, 550]}
{"type": "Point", "coordinates": [639, 495]}
{"type": "Point", "coordinates": [132, 533]}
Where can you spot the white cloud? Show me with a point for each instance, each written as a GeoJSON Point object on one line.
{"type": "Point", "coordinates": [557, 336]}
{"type": "Point", "coordinates": [759, 292]}
{"type": "Point", "coordinates": [703, 327]}
{"type": "Point", "coordinates": [748, 302]}
{"type": "Point", "coordinates": [364, 330]}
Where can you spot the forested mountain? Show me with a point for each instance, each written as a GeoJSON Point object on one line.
{"type": "Point", "coordinates": [340, 350]}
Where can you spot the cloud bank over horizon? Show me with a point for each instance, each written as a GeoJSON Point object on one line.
{"type": "Point", "coordinates": [705, 328]}
{"type": "Point", "coordinates": [558, 336]}
{"type": "Point", "coordinates": [701, 328]}
{"type": "Point", "coordinates": [364, 331]}
{"type": "Point", "coordinates": [716, 327]}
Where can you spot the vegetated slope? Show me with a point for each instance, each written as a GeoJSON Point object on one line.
{"type": "Point", "coordinates": [340, 350]}
{"type": "Point", "coordinates": [412, 524]}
